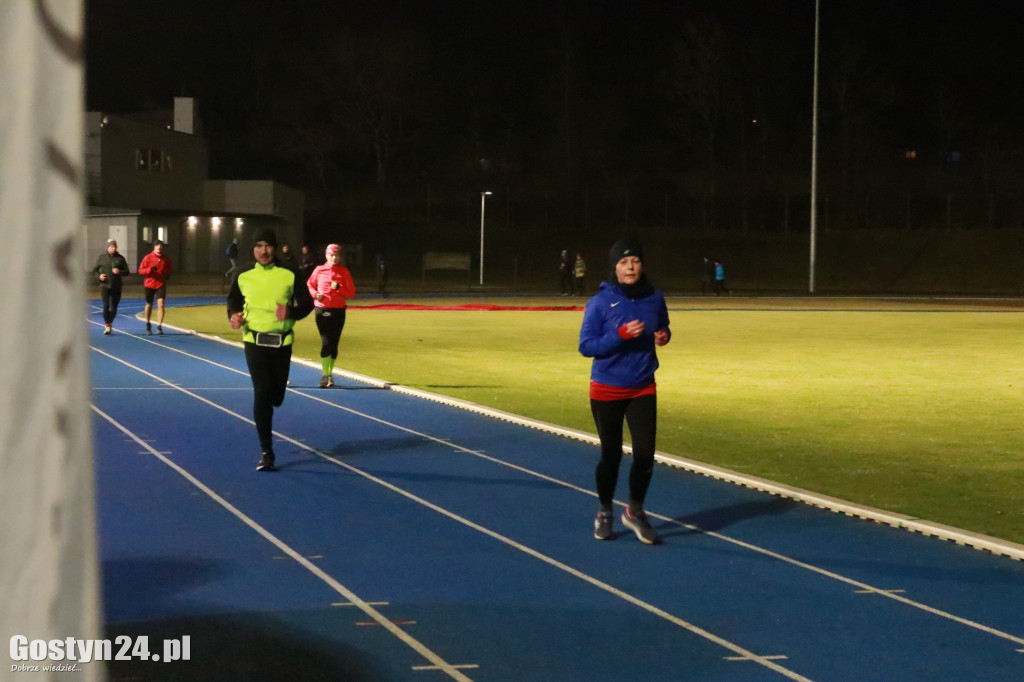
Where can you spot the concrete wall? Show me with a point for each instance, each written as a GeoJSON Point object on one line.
{"type": "Point", "coordinates": [147, 166]}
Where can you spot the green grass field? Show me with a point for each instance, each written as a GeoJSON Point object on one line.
{"type": "Point", "coordinates": [913, 407]}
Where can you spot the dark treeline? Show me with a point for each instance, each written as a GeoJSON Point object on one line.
{"type": "Point", "coordinates": [592, 114]}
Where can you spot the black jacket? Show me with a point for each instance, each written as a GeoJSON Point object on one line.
{"type": "Point", "coordinates": [105, 265]}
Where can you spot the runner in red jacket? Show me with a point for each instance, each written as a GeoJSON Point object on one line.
{"type": "Point", "coordinates": [330, 285]}
{"type": "Point", "coordinates": [156, 268]}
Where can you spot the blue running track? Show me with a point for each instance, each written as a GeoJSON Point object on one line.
{"type": "Point", "coordinates": [405, 539]}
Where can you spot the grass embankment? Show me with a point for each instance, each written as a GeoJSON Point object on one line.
{"type": "Point", "coordinates": [916, 411]}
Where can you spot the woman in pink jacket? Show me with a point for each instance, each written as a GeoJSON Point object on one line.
{"type": "Point", "coordinates": [329, 285]}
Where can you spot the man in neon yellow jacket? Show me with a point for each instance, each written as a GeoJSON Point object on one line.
{"type": "Point", "coordinates": [265, 303]}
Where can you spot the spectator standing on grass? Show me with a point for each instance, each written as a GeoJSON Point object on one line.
{"type": "Point", "coordinates": [287, 258]}
{"type": "Point", "coordinates": [232, 253]}
{"type": "Point", "coordinates": [707, 278]}
{"type": "Point", "coordinates": [382, 277]}
{"type": "Point", "coordinates": [330, 285]}
{"type": "Point", "coordinates": [719, 285]}
{"type": "Point", "coordinates": [565, 273]}
{"type": "Point", "coordinates": [156, 268]}
{"type": "Point", "coordinates": [307, 263]}
{"type": "Point", "coordinates": [110, 268]}
{"type": "Point", "coordinates": [265, 301]}
{"type": "Point", "coordinates": [579, 271]}
{"type": "Point", "coordinates": [622, 325]}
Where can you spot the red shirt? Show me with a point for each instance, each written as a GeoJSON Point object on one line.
{"type": "Point", "coordinates": [322, 281]}
{"type": "Point", "coordinates": [605, 392]}
{"type": "Point", "coordinates": [155, 280]}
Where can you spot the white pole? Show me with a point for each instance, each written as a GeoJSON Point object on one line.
{"type": "Point", "coordinates": [814, 150]}
{"type": "Point", "coordinates": [483, 206]}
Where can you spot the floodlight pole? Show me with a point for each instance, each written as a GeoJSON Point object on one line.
{"type": "Point", "coordinates": [814, 151]}
{"type": "Point", "coordinates": [483, 207]}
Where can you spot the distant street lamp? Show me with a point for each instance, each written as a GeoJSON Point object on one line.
{"type": "Point", "coordinates": [814, 155]}
{"type": "Point", "coordinates": [483, 208]}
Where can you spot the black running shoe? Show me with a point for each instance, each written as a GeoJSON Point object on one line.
{"type": "Point", "coordinates": [160, 331]}
{"type": "Point", "coordinates": [266, 462]}
{"type": "Point", "coordinates": [639, 524]}
{"type": "Point", "coordinates": [149, 329]}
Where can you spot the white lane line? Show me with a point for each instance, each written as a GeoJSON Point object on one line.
{"type": "Point", "coordinates": [874, 591]}
{"type": "Point", "coordinates": [376, 615]}
{"type": "Point", "coordinates": [864, 587]}
{"type": "Point", "coordinates": [725, 538]}
{"type": "Point", "coordinates": [348, 594]}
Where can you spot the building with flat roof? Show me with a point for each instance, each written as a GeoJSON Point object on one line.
{"type": "Point", "coordinates": [147, 179]}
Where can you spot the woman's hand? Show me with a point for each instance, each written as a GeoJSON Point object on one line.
{"type": "Point", "coordinates": [631, 330]}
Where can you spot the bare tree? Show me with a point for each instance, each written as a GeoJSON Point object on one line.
{"type": "Point", "coordinates": [372, 74]}
{"type": "Point", "coordinates": [696, 80]}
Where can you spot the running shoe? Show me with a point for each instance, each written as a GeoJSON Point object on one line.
{"type": "Point", "coordinates": [266, 462]}
{"type": "Point", "coordinates": [149, 329]}
{"type": "Point", "coordinates": [160, 331]}
{"type": "Point", "coordinates": [603, 525]}
{"type": "Point", "coordinates": [323, 381]}
{"type": "Point", "coordinates": [330, 382]}
{"type": "Point", "coordinates": [639, 524]}
{"type": "Point", "coordinates": [106, 330]}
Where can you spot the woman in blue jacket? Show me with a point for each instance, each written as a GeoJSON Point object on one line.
{"type": "Point", "coordinates": [622, 325]}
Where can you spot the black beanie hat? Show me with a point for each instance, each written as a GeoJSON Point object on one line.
{"type": "Point", "coordinates": [623, 248]}
{"type": "Point", "coordinates": [265, 235]}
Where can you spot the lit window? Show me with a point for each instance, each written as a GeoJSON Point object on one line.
{"type": "Point", "coordinates": [910, 154]}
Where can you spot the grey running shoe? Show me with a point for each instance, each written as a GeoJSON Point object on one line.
{"type": "Point", "coordinates": [603, 525]}
{"type": "Point", "coordinates": [160, 331]}
{"type": "Point", "coordinates": [641, 526]}
{"type": "Point", "coordinates": [323, 381]}
{"type": "Point", "coordinates": [266, 462]}
{"type": "Point", "coordinates": [330, 382]}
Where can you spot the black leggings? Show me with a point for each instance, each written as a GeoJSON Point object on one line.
{"type": "Point", "coordinates": [642, 416]}
{"type": "Point", "coordinates": [269, 369]}
{"type": "Point", "coordinates": [111, 297]}
{"type": "Point", "coordinates": [330, 322]}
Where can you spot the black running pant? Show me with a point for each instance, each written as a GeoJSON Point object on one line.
{"type": "Point", "coordinates": [111, 298]}
{"type": "Point", "coordinates": [269, 369]}
{"type": "Point", "coordinates": [642, 416]}
{"type": "Point", "coordinates": [330, 322]}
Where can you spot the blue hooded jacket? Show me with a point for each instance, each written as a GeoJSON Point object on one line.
{"type": "Point", "coordinates": [624, 363]}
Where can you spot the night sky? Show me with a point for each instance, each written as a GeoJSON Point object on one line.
{"type": "Point", "coordinates": [577, 87]}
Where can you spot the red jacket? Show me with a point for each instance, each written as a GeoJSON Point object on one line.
{"type": "Point", "coordinates": [155, 278]}
{"type": "Point", "coordinates": [321, 281]}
